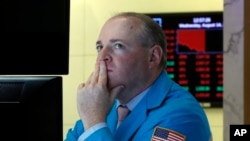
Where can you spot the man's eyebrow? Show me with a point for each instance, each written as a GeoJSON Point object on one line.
{"type": "Point", "coordinates": [111, 41]}
{"type": "Point", "coordinates": [98, 42]}
{"type": "Point", "coordinates": [115, 40]}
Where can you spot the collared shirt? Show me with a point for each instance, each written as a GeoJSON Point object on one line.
{"type": "Point", "coordinates": [131, 105]}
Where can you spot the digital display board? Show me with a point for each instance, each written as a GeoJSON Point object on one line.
{"type": "Point", "coordinates": [195, 53]}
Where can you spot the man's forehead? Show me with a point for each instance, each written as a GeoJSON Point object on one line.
{"type": "Point", "coordinates": [119, 28]}
{"type": "Point", "coordinates": [130, 22]}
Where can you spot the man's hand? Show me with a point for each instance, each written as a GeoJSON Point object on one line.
{"type": "Point", "coordinates": [94, 100]}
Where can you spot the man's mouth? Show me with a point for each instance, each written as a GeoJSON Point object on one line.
{"type": "Point", "coordinates": [109, 70]}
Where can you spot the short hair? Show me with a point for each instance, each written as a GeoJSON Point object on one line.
{"type": "Point", "coordinates": [150, 34]}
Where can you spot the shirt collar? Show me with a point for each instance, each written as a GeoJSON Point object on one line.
{"type": "Point", "coordinates": [133, 102]}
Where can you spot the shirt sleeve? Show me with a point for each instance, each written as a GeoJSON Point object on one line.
{"type": "Point", "coordinates": [91, 130]}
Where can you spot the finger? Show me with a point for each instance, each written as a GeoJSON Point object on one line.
{"type": "Point", "coordinates": [115, 91]}
{"type": "Point", "coordinates": [89, 79]}
{"type": "Point", "coordinates": [103, 74]}
{"type": "Point", "coordinates": [81, 86]}
{"type": "Point", "coordinates": [95, 76]}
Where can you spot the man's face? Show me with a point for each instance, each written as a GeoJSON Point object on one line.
{"type": "Point", "coordinates": [126, 60]}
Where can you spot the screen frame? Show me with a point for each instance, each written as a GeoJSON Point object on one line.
{"type": "Point", "coordinates": [31, 108]}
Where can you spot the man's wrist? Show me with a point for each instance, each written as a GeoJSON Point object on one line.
{"type": "Point", "coordinates": [90, 123]}
{"type": "Point", "coordinates": [91, 130]}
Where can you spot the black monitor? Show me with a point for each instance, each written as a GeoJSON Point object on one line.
{"type": "Point", "coordinates": [195, 52]}
{"type": "Point", "coordinates": [34, 37]}
{"type": "Point", "coordinates": [31, 108]}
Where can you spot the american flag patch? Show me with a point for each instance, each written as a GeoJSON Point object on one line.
{"type": "Point", "coordinates": [162, 134]}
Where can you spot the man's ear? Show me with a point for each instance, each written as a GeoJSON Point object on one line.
{"type": "Point", "coordinates": [156, 56]}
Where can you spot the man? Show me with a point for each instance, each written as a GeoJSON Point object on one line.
{"type": "Point", "coordinates": [130, 71]}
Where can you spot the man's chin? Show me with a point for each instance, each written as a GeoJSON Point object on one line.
{"type": "Point", "coordinates": [110, 86]}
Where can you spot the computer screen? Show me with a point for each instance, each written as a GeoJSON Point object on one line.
{"type": "Point", "coordinates": [195, 52]}
{"type": "Point", "coordinates": [31, 108]}
{"type": "Point", "coordinates": [34, 37]}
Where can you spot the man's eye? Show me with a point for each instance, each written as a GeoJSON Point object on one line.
{"type": "Point", "coordinates": [117, 45]}
{"type": "Point", "coordinates": [99, 47]}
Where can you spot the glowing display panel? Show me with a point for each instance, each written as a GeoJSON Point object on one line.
{"type": "Point", "coordinates": [195, 53]}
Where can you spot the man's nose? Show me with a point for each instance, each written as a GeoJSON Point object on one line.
{"type": "Point", "coordinates": [104, 55]}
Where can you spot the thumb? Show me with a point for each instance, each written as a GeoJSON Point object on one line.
{"type": "Point", "coordinates": [115, 91]}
